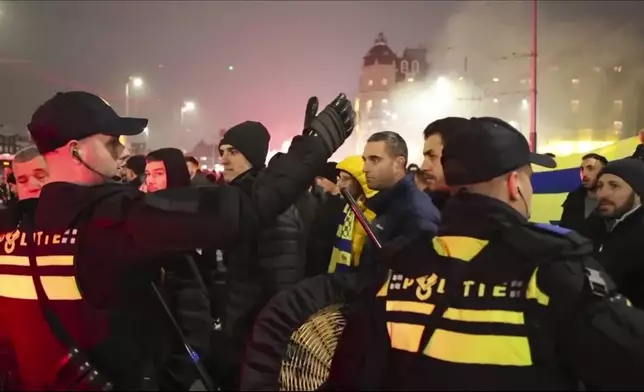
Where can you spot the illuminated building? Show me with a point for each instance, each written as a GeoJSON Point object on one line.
{"type": "Point", "coordinates": [383, 71]}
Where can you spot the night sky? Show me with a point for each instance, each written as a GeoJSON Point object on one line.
{"type": "Point", "coordinates": [282, 53]}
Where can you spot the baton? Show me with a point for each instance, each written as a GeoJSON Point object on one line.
{"type": "Point", "coordinates": [361, 217]}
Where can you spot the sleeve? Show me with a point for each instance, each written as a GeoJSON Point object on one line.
{"type": "Point", "coordinates": [281, 253]}
{"type": "Point", "coordinates": [601, 338]}
{"type": "Point", "coordinates": [214, 217]}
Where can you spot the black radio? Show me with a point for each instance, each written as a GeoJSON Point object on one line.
{"type": "Point", "coordinates": [76, 373]}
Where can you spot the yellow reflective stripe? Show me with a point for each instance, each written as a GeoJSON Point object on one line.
{"type": "Point", "coordinates": [462, 248]}
{"type": "Point", "coordinates": [61, 288]}
{"type": "Point", "coordinates": [410, 306]}
{"type": "Point", "coordinates": [533, 291]}
{"type": "Point", "coordinates": [21, 261]}
{"type": "Point", "coordinates": [17, 286]}
{"type": "Point", "coordinates": [405, 336]}
{"type": "Point", "coordinates": [385, 287]}
{"type": "Point", "coordinates": [485, 316]}
{"type": "Point", "coordinates": [56, 288]}
{"type": "Point", "coordinates": [44, 261]}
{"type": "Point", "coordinates": [458, 347]}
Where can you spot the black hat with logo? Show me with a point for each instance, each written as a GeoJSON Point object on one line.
{"type": "Point", "coordinates": [76, 115]}
{"type": "Point", "coordinates": [483, 148]}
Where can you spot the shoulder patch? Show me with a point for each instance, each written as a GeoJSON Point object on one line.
{"type": "Point", "coordinates": [552, 228]}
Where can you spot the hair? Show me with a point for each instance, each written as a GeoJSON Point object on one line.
{"type": "Point", "coordinates": [412, 168]}
{"type": "Point", "coordinates": [598, 157]}
{"type": "Point", "coordinates": [395, 144]}
{"type": "Point", "coordinates": [26, 154]}
{"type": "Point", "coordinates": [191, 159]}
{"type": "Point", "coordinates": [153, 157]}
{"type": "Point", "coordinates": [136, 163]}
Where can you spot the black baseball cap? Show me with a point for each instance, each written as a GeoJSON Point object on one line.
{"type": "Point", "coordinates": [483, 148]}
{"type": "Point", "coordinates": [76, 115]}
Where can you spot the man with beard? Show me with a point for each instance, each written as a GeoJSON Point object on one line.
{"type": "Point", "coordinates": [620, 188]}
{"type": "Point", "coordinates": [579, 208]}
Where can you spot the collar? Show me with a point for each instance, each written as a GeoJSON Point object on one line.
{"type": "Point", "coordinates": [379, 202]}
{"type": "Point", "coordinates": [477, 216]}
{"type": "Point", "coordinates": [624, 217]}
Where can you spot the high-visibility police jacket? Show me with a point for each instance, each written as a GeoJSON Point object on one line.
{"type": "Point", "coordinates": [493, 303]}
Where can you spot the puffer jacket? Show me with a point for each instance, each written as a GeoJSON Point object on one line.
{"type": "Point", "coordinates": [258, 268]}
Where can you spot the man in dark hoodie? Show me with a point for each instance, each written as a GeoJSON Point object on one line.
{"type": "Point", "coordinates": [261, 266]}
{"type": "Point", "coordinates": [187, 294]}
{"type": "Point", "coordinates": [135, 170]}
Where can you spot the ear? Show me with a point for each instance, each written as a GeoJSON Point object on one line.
{"type": "Point", "coordinates": [513, 186]}
{"type": "Point", "coordinates": [402, 163]}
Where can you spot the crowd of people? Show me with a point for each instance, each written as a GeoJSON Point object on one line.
{"type": "Point", "coordinates": [145, 273]}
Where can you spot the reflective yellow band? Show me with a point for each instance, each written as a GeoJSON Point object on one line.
{"type": "Point", "coordinates": [533, 291]}
{"type": "Point", "coordinates": [462, 248]}
{"type": "Point", "coordinates": [43, 261]}
{"type": "Point", "coordinates": [404, 336]}
{"type": "Point", "coordinates": [410, 306]}
{"type": "Point", "coordinates": [57, 288]}
{"type": "Point", "coordinates": [385, 287]}
{"type": "Point", "coordinates": [498, 350]}
{"type": "Point", "coordinates": [485, 316]}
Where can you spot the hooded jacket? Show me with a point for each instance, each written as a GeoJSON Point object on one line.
{"type": "Point", "coordinates": [350, 235]}
{"type": "Point", "coordinates": [188, 301]}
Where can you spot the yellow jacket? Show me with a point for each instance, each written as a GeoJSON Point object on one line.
{"type": "Point", "coordinates": [352, 165]}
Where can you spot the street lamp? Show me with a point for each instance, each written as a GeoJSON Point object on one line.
{"type": "Point", "coordinates": [136, 82]}
{"type": "Point", "coordinates": [188, 106]}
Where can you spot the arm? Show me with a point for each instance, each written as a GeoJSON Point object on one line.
{"type": "Point", "coordinates": [600, 338]}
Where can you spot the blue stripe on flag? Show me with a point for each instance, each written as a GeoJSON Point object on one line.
{"type": "Point", "coordinates": [556, 181]}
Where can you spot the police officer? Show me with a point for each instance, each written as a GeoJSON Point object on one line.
{"type": "Point", "coordinates": [494, 302]}
{"type": "Point", "coordinates": [74, 284]}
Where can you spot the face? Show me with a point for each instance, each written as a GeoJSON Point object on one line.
{"type": "Point", "coordinates": [156, 178]}
{"type": "Point", "coordinates": [590, 168]}
{"type": "Point", "coordinates": [432, 168]}
{"type": "Point", "coordinates": [234, 162]}
{"type": "Point", "coordinates": [30, 177]}
{"type": "Point", "coordinates": [101, 153]}
{"type": "Point", "coordinates": [192, 169]}
{"type": "Point", "coordinates": [615, 196]}
{"type": "Point", "coordinates": [519, 189]}
{"type": "Point", "coordinates": [382, 170]}
{"type": "Point", "coordinates": [348, 182]}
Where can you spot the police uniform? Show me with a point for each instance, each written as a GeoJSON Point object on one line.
{"type": "Point", "coordinates": [95, 246]}
{"type": "Point", "coordinates": [494, 302]}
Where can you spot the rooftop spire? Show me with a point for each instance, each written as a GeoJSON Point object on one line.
{"type": "Point", "coordinates": [380, 40]}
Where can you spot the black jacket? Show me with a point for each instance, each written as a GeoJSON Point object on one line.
{"type": "Point", "coordinates": [328, 214]}
{"type": "Point", "coordinates": [620, 252]}
{"type": "Point", "coordinates": [259, 267]}
{"type": "Point", "coordinates": [124, 230]}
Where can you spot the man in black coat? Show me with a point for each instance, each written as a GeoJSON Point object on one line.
{"type": "Point", "coordinates": [261, 266]}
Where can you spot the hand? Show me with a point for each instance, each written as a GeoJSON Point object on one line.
{"type": "Point", "coordinates": [311, 111]}
{"type": "Point", "coordinates": [334, 124]}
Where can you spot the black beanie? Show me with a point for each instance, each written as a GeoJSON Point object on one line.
{"type": "Point", "coordinates": [630, 170]}
{"type": "Point", "coordinates": [251, 139]}
{"type": "Point", "coordinates": [329, 171]}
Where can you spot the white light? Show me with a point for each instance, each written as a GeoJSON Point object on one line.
{"type": "Point", "coordinates": [410, 79]}
{"type": "Point", "coordinates": [394, 116]}
{"type": "Point", "coordinates": [524, 103]}
{"type": "Point", "coordinates": [495, 100]}
{"type": "Point", "coordinates": [495, 80]}
{"type": "Point", "coordinates": [146, 131]}
{"type": "Point", "coordinates": [204, 158]}
{"type": "Point", "coordinates": [189, 106]}
{"type": "Point", "coordinates": [204, 167]}
{"type": "Point", "coordinates": [384, 100]}
{"type": "Point", "coordinates": [137, 82]}
{"type": "Point", "coordinates": [219, 168]}
{"type": "Point", "coordinates": [460, 78]}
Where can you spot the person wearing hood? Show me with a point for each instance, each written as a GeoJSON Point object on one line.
{"type": "Point", "coordinates": [620, 186]}
{"type": "Point", "coordinates": [258, 267]}
{"type": "Point", "coordinates": [350, 235]}
{"type": "Point", "coordinates": [182, 278]}
{"type": "Point", "coordinates": [403, 211]}
{"type": "Point", "coordinates": [197, 177]}
{"type": "Point", "coordinates": [135, 170]}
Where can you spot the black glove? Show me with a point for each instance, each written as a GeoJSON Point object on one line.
{"type": "Point", "coordinates": [334, 124]}
{"type": "Point", "coordinates": [311, 111]}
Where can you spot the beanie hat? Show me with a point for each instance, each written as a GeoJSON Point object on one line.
{"type": "Point", "coordinates": [251, 139]}
{"type": "Point", "coordinates": [628, 169]}
{"type": "Point", "coordinates": [329, 172]}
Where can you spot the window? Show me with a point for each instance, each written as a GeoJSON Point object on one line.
{"type": "Point", "coordinates": [574, 105]}
{"type": "Point", "coordinates": [370, 82]}
{"type": "Point", "coordinates": [415, 66]}
{"type": "Point", "coordinates": [617, 125]}
{"type": "Point", "coordinates": [618, 105]}
{"type": "Point", "coordinates": [617, 68]}
{"type": "Point", "coordinates": [404, 66]}
{"type": "Point", "coordinates": [575, 81]}
{"type": "Point", "coordinates": [369, 105]}
{"type": "Point", "coordinates": [385, 81]}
